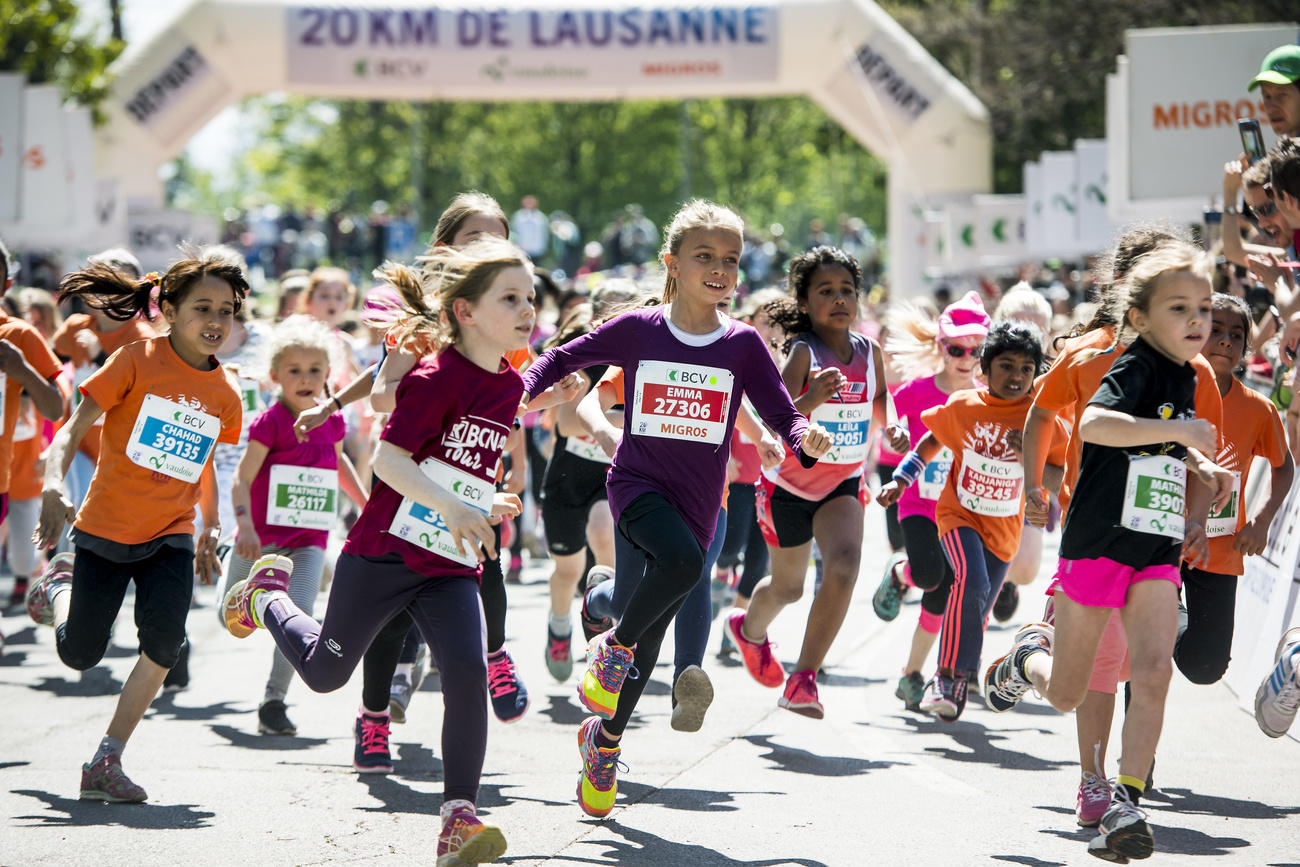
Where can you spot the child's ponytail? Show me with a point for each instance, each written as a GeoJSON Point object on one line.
{"type": "Point", "coordinates": [912, 346]}
{"type": "Point", "coordinates": [119, 296]}
{"type": "Point", "coordinates": [415, 322]}
{"type": "Point", "coordinates": [785, 313]}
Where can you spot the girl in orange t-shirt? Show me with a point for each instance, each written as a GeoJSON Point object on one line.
{"type": "Point", "coordinates": [166, 401]}
{"type": "Point", "coordinates": [982, 506]}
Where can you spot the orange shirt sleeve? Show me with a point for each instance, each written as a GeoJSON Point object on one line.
{"type": "Point", "coordinates": [36, 352]}
{"type": "Point", "coordinates": [612, 381]}
{"type": "Point", "coordinates": [232, 415]}
{"type": "Point", "coordinates": [110, 384]}
{"type": "Point", "coordinates": [944, 424]}
{"type": "Point", "coordinates": [1060, 444]}
{"type": "Point", "coordinates": [1054, 390]}
{"type": "Point", "coordinates": [1271, 441]}
{"type": "Point", "coordinates": [1209, 405]}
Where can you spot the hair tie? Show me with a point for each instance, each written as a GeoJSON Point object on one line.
{"type": "Point", "coordinates": [153, 280]}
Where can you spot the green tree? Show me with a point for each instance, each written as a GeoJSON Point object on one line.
{"type": "Point", "coordinates": [1040, 66]}
{"type": "Point", "coordinates": [45, 40]}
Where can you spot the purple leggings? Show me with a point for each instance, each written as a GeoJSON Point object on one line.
{"type": "Point", "coordinates": [366, 593]}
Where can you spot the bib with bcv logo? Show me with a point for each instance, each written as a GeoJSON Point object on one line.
{"type": "Point", "coordinates": [1154, 495]}
{"type": "Point", "coordinates": [935, 475]}
{"type": "Point", "coordinates": [426, 528]}
{"type": "Point", "coordinates": [849, 426]}
{"type": "Point", "coordinates": [989, 486]}
{"type": "Point", "coordinates": [304, 497]}
{"type": "Point", "coordinates": [586, 448]}
{"type": "Point", "coordinates": [681, 401]}
{"type": "Point", "coordinates": [1224, 521]}
{"type": "Point", "coordinates": [172, 438]}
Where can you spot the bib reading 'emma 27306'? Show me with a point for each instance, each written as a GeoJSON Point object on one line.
{"type": "Point", "coordinates": [682, 401]}
{"type": "Point", "coordinates": [425, 527]}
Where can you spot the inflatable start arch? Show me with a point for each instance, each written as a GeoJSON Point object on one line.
{"type": "Point", "coordinates": [848, 55]}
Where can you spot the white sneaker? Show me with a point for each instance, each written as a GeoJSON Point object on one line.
{"type": "Point", "coordinates": [1124, 831]}
{"type": "Point", "coordinates": [1278, 696]}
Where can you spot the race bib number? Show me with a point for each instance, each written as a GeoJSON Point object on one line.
{"type": "Point", "coordinates": [250, 400]}
{"type": "Point", "coordinates": [305, 497]}
{"type": "Point", "coordinates": [1153, 495]}
{"type": "Point", "coordinates": [988, 486]}
{"type": "Point", "coordinates": [849, 425]}
{"type": "Point", "coordinates": [935, 475]}
{"type": "Point", "coordinates": [171, 438]}
{"type": "Point", "coordinates": [425, 527]}
{"type": "Point", "coordinates": [1224, 521]}
{"type": "Point", "coordinates": [586, 448]}
{"type": "Point", "coordinates": [681, 401]}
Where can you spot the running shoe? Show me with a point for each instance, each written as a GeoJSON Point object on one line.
{"type": "Point", "coordinates": [508, 693]}
{"type": "Point", "coordinates": [370, 754]}
{"type": "Point", "coordinates": [889, 595]}
{"type": "Point", "coordinates": [1092, 800]}
{"type": "Point", "coordinates": [598, 783]}
{"type": "Point", "coordinates": [399, 696]}
{"type": "Point", "coordinates": [1004, 607]}
{"type": "Point", "coordinates": [514, 575]}
{"type": "Point", "coordinates": [608, 665]}
{"type": "Point", "coordinates": [692, 695]}
{"type": "Point", "coordinates": [559, 655]}
{"type": "Point", "coordinates": [59, 571]}
{"type": "Point", "coordinates": [106, 781]}
{"type": "Point", "coordinates": [593, 626]}
{"type": "Point", "coordinates": [945, 696]}
{"type": "Point", "coordinates": [1004, 682]}
{"type": "Point", "coordinates": [1278, 696]}
{"type": "Point", "coordinates": [270, 572]}
{"type": "Point", "coordinates": [800, 695]}
{"type": "Point", "coordinates": [1124, 831]}
{"type": "Point", "coordinates": [728, 647]}
{"type": "Point", "coordinates": [273, 719]}
{"type": "Point", "coordinates": [757, 654]}
{"type": "Point", "coordinates": [911, 688]}
{"type": "Point", "coordinates": [18, 596]}
{"type": "Point", "coordinates": [464, 840]}
{"type": "Point", "coordinates": [178, 676]}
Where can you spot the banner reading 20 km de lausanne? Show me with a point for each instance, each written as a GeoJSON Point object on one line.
{"type": "Point", "coordinates": [553, 46]}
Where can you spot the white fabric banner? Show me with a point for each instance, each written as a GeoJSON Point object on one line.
{"type": "Point", "coordinates": [79, 144]}
{"type": "Point", "coordinates": [561, 46]}
{"type": "Point", "coordinates": [1032, 185]}
{"type": "Point", "coordinates": [11, 144]}
{"type": "Point", "coordinates": [1000, 229]}
{"type": "Point", "coordinates": [1060, 197]}
{"type": "Point", "coordinates": [43, 178]}
{"type": "Point", "coordinates": [155, 234]}
{"type": "Point", "coordinates": [1096, 231]}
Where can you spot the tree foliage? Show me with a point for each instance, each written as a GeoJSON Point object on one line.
{"type": "Point", "coordinates": [1040, 65]}
{"type": "Point", "coordinates": [45, 40]}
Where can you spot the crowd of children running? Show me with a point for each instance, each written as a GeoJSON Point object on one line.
{"type": "Point", "coordinates": [685, 457]}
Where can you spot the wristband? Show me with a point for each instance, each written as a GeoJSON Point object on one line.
{"type": "Point", "coordinates": [335, 399]}
{"type": "Point", "coordinates": [909, 468]}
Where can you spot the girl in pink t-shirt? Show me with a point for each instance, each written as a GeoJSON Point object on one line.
{"type": "Point", "coordinates": [286, 491]}
{"type": "Point", "coordinates": [917, 345]}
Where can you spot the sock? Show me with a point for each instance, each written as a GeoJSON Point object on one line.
{"type": "Point", "coordinates": [404, 669]}
{"type": "Point", "coordinates": [614, 641]}
{"type": "Point", "coordinates": [604, 741]}
{"type": "Point", "coordinates": [263, 598]}
{"type": "Point", "coordinates": [54, 588]}
{"type": "Point", "coordinates": [497, 654]}
{"type": "Point", "coordinates": [930, 623]}
{"type": "Point", "coordinates": [449, 807]}
{"type": "Point", "coordinates": [1022, 656]}
{"type": "Point", "coordinates": [375, 715]}
{"type": "Point", "coordinates": [561, 625]}
{"type": "Point", "coordinates": [1133, 786]}
{"type": "Point", "coordinates": [107, 747]}
{"type": "Point", "coordinates": [907, 575]}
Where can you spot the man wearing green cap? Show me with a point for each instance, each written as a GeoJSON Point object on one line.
{"type": "Point", "coordinates": [1279, 83]}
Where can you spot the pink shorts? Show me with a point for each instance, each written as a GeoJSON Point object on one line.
{"type": "Point", "coordinates": [1103, 583]}
{"type": "Point", "coordinates": [1110, 667]}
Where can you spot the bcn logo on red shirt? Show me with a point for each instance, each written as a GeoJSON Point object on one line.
{"type": "Point", "coordinates": [471, 439]}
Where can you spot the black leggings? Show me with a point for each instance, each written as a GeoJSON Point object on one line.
{"type": "Point", "coordinates": [929, 568]}
{"type": "Point", "coordinates": [385, 652]}
{"type": "Point", "coordinates": [743, 535]}
{"type": "Point", "coordinates": [1204, 643]}
{"type": "Point", "coordinates": [892, 528]}
{"type": "Point", "coordinates": [674, 563]}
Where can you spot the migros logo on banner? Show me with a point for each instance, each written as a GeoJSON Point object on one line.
{"type": "Point", "coordinates": [1204, 114]}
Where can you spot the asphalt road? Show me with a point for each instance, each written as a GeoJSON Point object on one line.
{"type": "Point", "coordinates": [870, 784]}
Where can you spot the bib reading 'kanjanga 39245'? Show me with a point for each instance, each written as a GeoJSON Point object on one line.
{"type": "Point", "coordinates": [172, 438]}
{"type": "Point", "coordinates": [425, 527]}
{"type": "Point", "coordinates": [682, 401]}
{"type": "Point", "coordinates": [988, 486]}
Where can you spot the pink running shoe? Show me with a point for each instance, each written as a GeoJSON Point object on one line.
{"type": "Point", "coordinates": [757, 654]}
{"type": "Point", "coordinates": [465, 840]}
{"type": "Point", "coordinates": [800, 695]}
{"type": "Point", "coordinates": [106, 781]}
{"type": "Point", "coordinates": [1093, 799]}
{"type": "Point", "coordinates": [270, 572]}
{"type": "Point", "coordinates": [59, 571]}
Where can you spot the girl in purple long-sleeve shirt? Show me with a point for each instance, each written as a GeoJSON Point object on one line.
{"type": "Point", "coordinates": [686, 367]}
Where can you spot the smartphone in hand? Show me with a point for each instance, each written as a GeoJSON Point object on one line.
{"type": "Point", "coordinates": [1252, 139]}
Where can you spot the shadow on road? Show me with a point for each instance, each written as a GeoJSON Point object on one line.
{"type": "Point", "coordinates": [978, 742]}
{"type": "Point", "coordinates": [251, 740]}
{"type": "Point", "coordinates": [1028, 861]}
{"type": "Point", "coordinates": [797, 761]}
{"type": "Point", "coordinates": [165, 707]}
{"type": "Point", "coordinates": [78, 813]}
{"type": "Point", "coordinates": [564, 711]}
{"type": "Point", "coordinates": [640, 848]}
{"type": "Point", "coordinates": [93, 682]}
{"type": "Point", "coordinates": [690, 800]}
{"type": "Point", "coordinates": [1187, 801]}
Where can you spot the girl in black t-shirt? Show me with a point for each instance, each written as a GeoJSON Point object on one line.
{"type": "Point", "coordinates": [1127, 528]}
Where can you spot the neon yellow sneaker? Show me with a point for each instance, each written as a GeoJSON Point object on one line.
{"type": "Point", "coordinates": [465, 840]}
{"type": "Point", "coordinates": [598, 784]}
{"type": "Point", "coordinates": [271, 572]}
{"type": "Point", "coordinates": [611, 664]}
